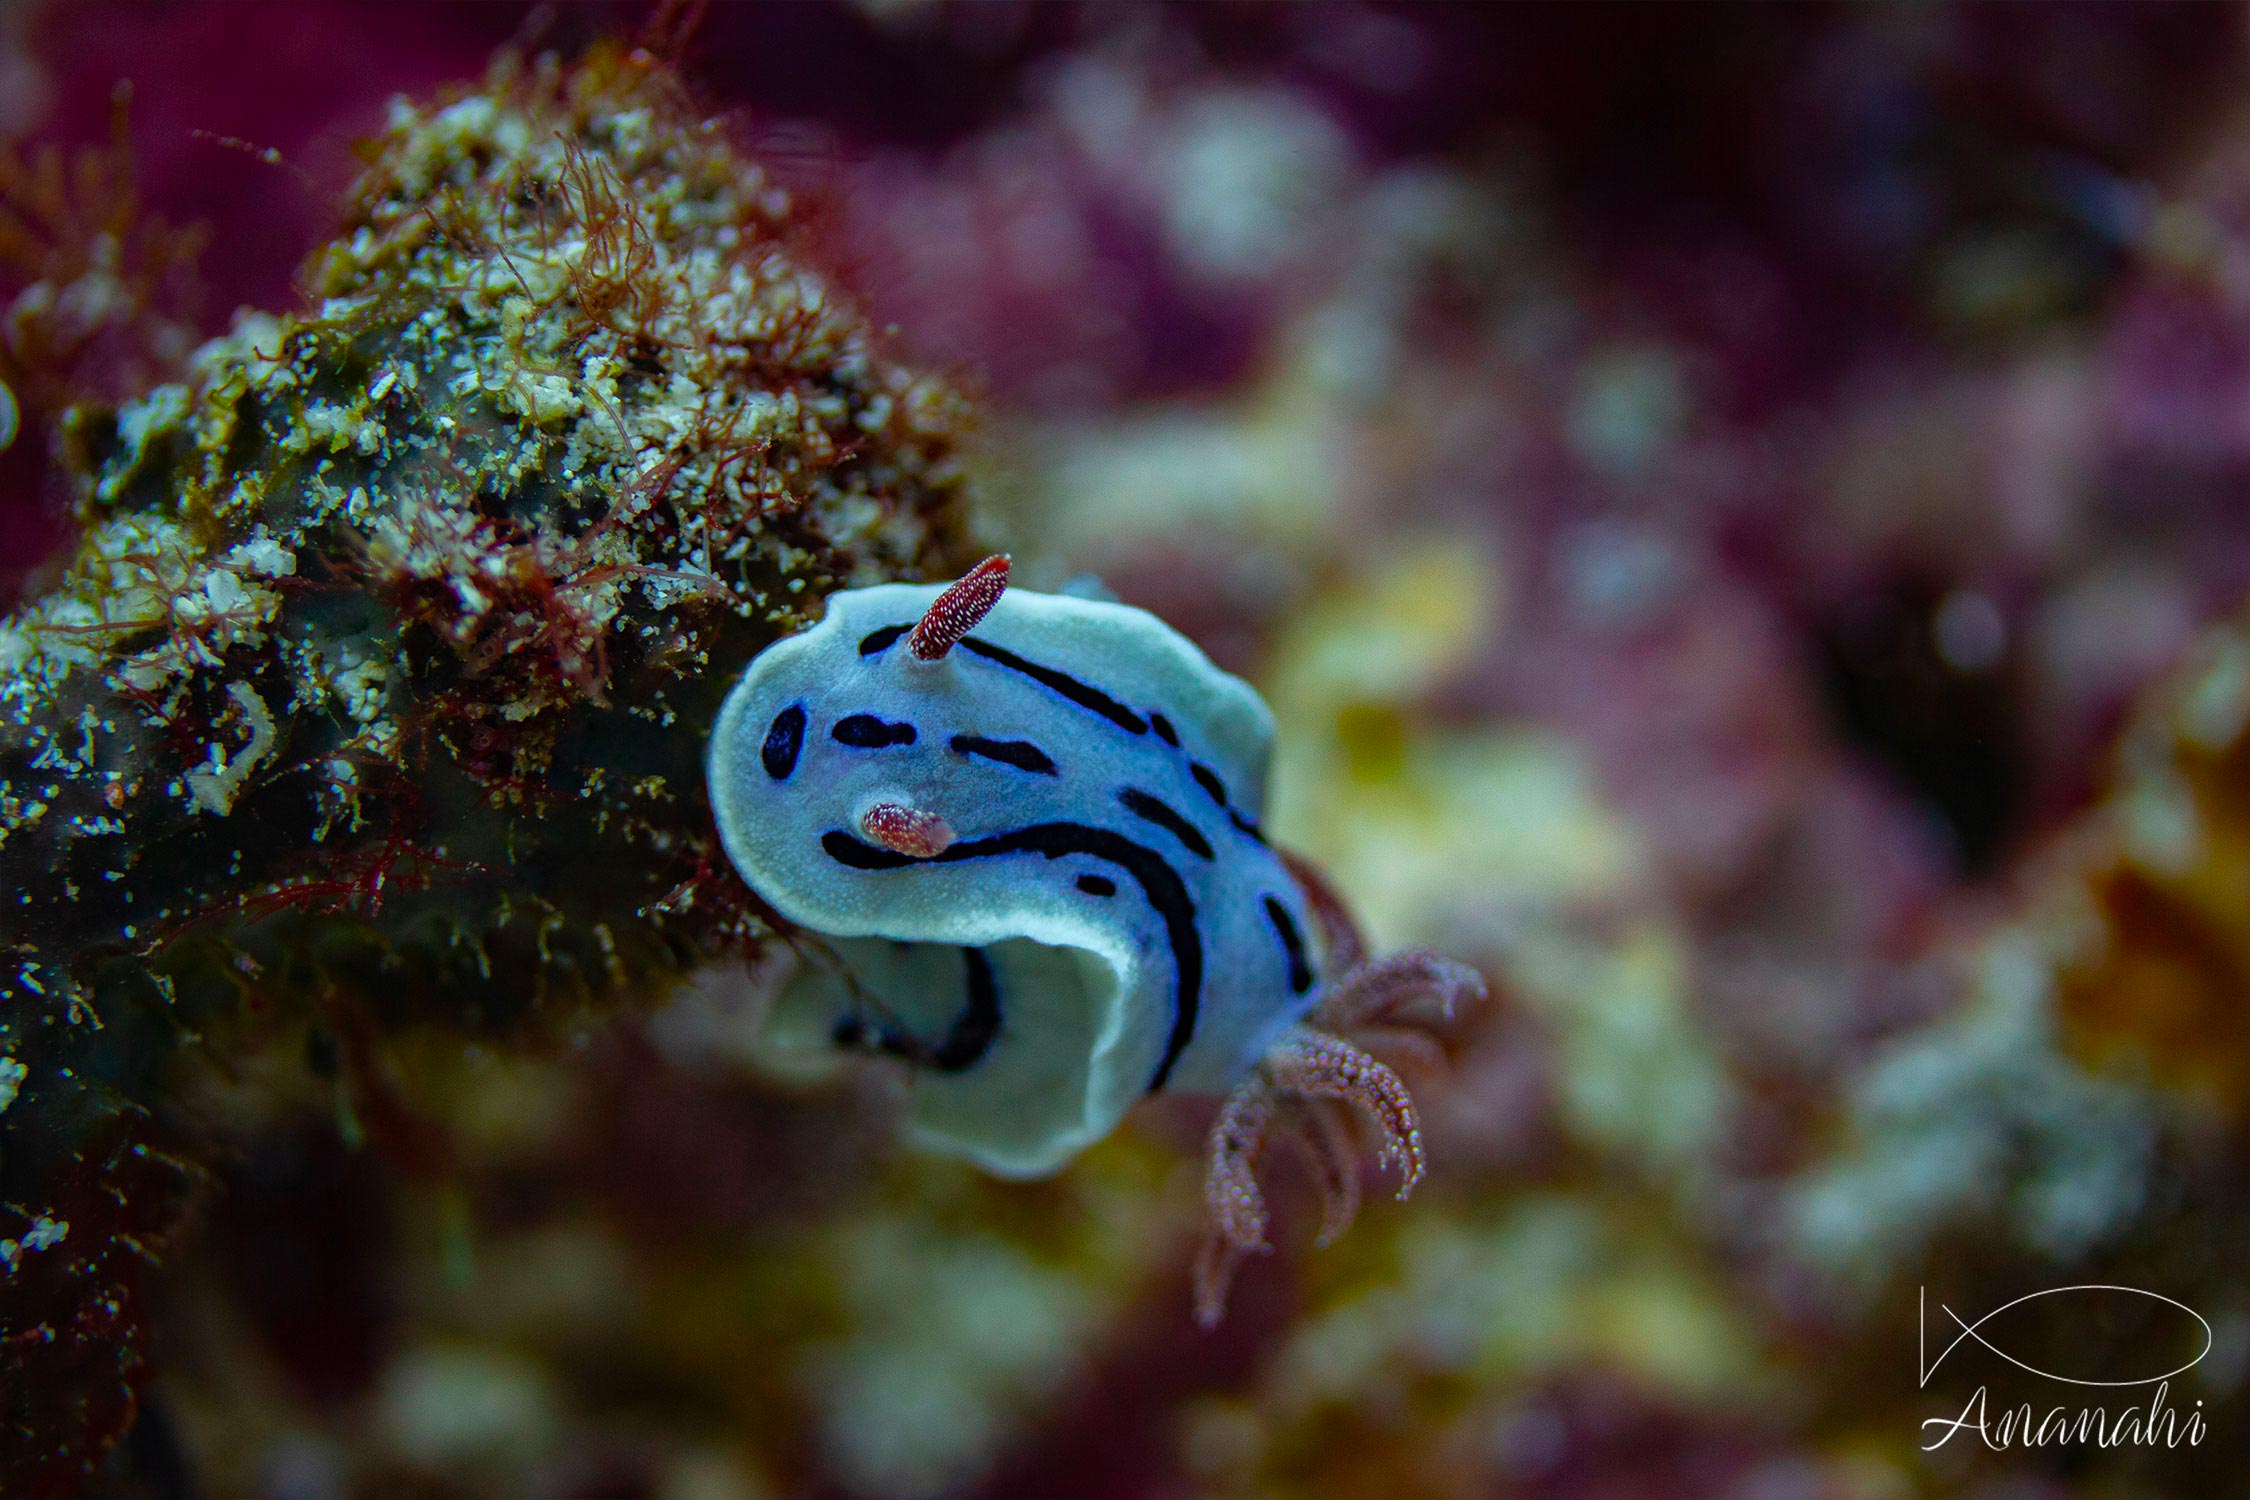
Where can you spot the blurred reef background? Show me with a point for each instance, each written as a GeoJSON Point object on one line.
{"type": "Point", "coordinates": [1739, 511]}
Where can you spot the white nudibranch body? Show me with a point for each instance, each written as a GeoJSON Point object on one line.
{"type": "Point", "coordinates": [1033, 852]}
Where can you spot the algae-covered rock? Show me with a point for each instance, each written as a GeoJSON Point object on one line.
{"type": "Point", "coordinates": [373, 694]}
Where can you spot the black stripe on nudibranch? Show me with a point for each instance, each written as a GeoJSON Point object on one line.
{"type": "Point", "coordinates": [1156, 810]}
{"type": "Point", "coordinates": [1292, 944]}
{"type": "Point", "coordinates": [1164, 730]}
{"type": "Point", "coordinates": [1084, 694]}
{"type": "Point", "coordinates": [1022, 754]}
{"type": "Point", "coordinates": [967, 1040]}
{"type": "Point", "coordinates": [785, 739]}
{"type": "Point", "coordinates": [866, 732]}
{"type": "Point", "coordinates": [1166, 892]}
{"type": "Point", "coordinates": [878, 640]}
{"type": "Point", "coordinates": [1097, 885]}
{"type": "Point", "coordinates": [973, 1031]}
{"type": "Point", "coordinates": [1216, 789]}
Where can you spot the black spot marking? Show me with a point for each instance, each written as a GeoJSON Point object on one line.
{"type": "Point", "coordinates": [1097, 885]}
{"type": "Point", "coordinates": [1292, 944]}
{"type": "Point", "coordinates": [1245, 825]}
{"type": "Point", "coordinates": [1022, 754]}
{"type": "Point", "coordinates": [1166, 892]}
{"type": "Point", "coordinates": [866, 732]}
{"type": "Point", "coordinates": [879, 640]}
{"type": "Point", "coordinates": [1085, 695]}
{"type": "Point", "coordinates": [784, 739]}
{"type": "Point", "coordinates": [1164, 730]}
{"type": "Point", "coordinates": [1156, 810]}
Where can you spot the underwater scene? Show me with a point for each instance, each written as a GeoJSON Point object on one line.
{"type": "Point", "coordinates": [1066, 750]}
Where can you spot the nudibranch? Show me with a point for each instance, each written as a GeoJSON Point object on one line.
{"type": "Point", "coordinates": [1023, 830]}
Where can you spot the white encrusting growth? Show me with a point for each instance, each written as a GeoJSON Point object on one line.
{"type": "Point", "coordinates": [214, 787]}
